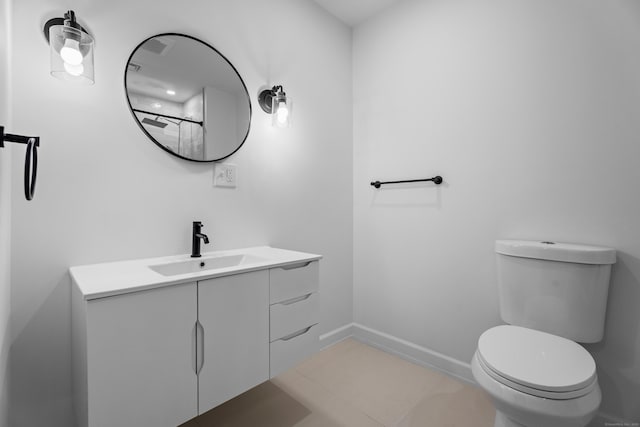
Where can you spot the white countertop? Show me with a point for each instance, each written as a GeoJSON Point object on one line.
{"type": "Point", "coordinates": [115, 278]}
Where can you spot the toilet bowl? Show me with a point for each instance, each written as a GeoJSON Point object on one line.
{"type": "Point", "coordinates": [535, 378]}
{"type": "Point", "coordinates": [552, 295]}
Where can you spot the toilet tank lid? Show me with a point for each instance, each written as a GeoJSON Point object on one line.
{"type": "Point", "coordinates": [556, 251]}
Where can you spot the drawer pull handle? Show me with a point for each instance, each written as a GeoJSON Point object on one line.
{"type": "Point", "coordinates": [295, 300]}
{"type": "Point", "coordinates": [296, 334]}
{"type": "Point", "coordinates": [294, 266]}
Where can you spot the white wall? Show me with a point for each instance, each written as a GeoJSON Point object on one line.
{"type": "Point", "coordinates": [5, 213]}
{"type": "Point", "coordinates": [107, 193]}
{"type": "Point", "coordinates": [529, 110]}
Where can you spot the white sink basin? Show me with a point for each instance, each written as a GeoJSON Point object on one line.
{"type": "Point", "coordinates": [197, 265]}
{"type": "Point", "coordinates": [121, 277]}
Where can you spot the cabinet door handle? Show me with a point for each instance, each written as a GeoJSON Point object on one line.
{"type": "Point", "coordinates": [194, 347]}
{"type": "Point", "coordinates": [293, 266]}
{"type": "Point", "coordinates": [295, 300]}
{"type": "Point", "coordinates": [199, 347]}
{"type": "Point", "coordinates": [296, 334]}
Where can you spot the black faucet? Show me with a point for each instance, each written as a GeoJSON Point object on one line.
{"type": "Point", "coordinates": [195, 241]}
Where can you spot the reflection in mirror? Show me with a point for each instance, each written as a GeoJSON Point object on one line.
{"type": "Point", "coordinates": [187, 97]}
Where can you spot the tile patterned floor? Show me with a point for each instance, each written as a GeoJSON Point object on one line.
{"type": "Point", "coordinates": [352, 384]}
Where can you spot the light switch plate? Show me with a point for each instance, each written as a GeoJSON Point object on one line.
{"type": "Point", "coordinates": [224, 175]}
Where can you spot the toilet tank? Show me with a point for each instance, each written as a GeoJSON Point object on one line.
{"type": "Point", "coordinates": [559, 288]}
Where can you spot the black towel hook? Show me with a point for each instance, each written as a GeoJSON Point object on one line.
{"type": "Point", "coordinates": [30, 160]}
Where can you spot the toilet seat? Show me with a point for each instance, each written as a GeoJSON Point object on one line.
{"type": "Point", "coordinates": [536, 363]}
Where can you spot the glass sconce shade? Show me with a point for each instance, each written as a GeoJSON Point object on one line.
{"type": "Point", "coordinates": [71, 50]}
{"type": "Point", "coordinates": [275, 102]}
{"type": "Point", "coordinates": [281, 106]}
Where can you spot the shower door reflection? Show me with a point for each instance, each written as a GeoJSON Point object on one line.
{"type": "Point", "coordinates": [183, 136]}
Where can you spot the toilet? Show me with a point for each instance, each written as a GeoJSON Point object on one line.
{"type": "Point", "coordinates": [552, 295]}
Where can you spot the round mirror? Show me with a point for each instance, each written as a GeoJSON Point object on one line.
{"type": "Point", "coordinates": [187, 97]}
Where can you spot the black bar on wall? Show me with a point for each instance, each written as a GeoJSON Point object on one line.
{"type": "Point", "coordinates": [18, 139]}
{"type": "Point", "coordinates": [436, 180]}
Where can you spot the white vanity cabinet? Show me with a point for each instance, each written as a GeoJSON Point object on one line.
{"type": "Point", "coordinates": [294, 314]}
{"type": "Point", "coordinates": [155, 351]}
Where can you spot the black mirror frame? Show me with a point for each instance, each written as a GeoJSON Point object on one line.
{"type": "Point", "coordinates": [126, 91]}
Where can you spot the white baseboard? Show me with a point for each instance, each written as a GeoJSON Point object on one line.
{"type": "Point", "coordinates": [414, 353]}
{"type": "Point", "coordinates": [404, 349]}
{"type": "Point", "coordinates": [429, 359]}
{"type": "Point", "coordinates": [337, 335]}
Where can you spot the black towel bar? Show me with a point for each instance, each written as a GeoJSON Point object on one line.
{"type": "Point", "coordinates": [436, 180]}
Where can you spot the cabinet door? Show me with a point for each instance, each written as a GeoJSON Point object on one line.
{"type": "Point", "coordinates": [141, 358]}
{"type": "Point", "coordinates": [234, 314]}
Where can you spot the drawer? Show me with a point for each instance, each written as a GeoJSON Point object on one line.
{"type": "Point", "coordinates": [293, 349]}
{"type": "Point", "coordinates": [293, 315]}
{"type": "Point", "coordinates": [293, 281]}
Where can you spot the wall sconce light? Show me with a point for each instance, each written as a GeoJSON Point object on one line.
{"type": "Point", "coordinates": [71, 49]}
{"type": "Point", "coordinates": [275, 102]}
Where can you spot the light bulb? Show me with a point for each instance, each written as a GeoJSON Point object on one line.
{"type": "Point", "coordinates": [74, 70]}
{"type": "Point", "coordinates": [282, 114]}
{"type": "Point", "coordinates": [70, 52]}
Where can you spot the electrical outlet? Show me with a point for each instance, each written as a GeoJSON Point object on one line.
{"type": "Point", "coordinates": [224, 175]}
